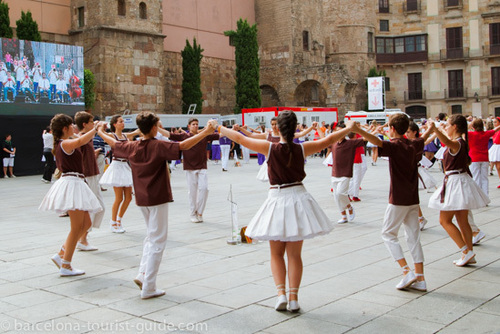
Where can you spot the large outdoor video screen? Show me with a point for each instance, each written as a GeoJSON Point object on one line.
{"type": "Point", "coordinates": [40, 78]}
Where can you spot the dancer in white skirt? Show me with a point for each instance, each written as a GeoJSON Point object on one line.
{"type": "Point", "coordinates": [119, 176]}
{"type": "Point", "coordinates": [494, 151]}
{"type": "Point", "coordinates": [459, 193]}
{"type": "Point", "coordinates": [70, 193]}
{"type": "Point", "coordinates": [290, 214]}
{"type": "Point", "coordinates": [425, 179]}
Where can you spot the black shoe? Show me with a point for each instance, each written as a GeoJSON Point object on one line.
{"type": "Point", "coordinates": [224, 170]}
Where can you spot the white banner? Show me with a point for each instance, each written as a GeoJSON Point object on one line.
{"type": "Point", "coordinates": [375, 93]}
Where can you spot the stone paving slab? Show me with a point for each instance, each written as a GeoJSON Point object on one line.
{"type": "Point", "coordinates": [211, 287]}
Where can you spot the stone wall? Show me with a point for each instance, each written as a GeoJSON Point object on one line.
{"type": "Point", "coordinates": [311, 73]}
{"type": "Point", "coordinates": [217, 84]}
{"type": "Point", "coordinates": [128, 67]}
{"type": "Point", "coordinates": [100, 13]}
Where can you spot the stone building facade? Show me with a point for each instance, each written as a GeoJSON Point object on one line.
{"type": "Point", "coordinates": [438, 55]}
{"type": "Point", "coordinates": [124, 51]}
{"type": "Point", "coordinates": [133, 47]}
{"type": "Point", "coordinates": [304, 59]}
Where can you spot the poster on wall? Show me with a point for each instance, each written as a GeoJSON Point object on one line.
{"type": "Point", "coordinates": [375, 93]}
{"type": "Point", "coordinates": [39, 78]}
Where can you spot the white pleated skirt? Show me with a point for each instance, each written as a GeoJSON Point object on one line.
{"type": "Point", "coordinates": [494, 153]}
{"type": "Point", "coordinates": [328, 162]}
{"type": "Point", "coordinates": [70, 193]}
{"type": "Point", "coordinates": [462, 193]}
{"type": "Point", "coordinates": [440, 153]}
{"type": "Point", "coordinates": [289, 214]}
{"type": "Point", "coordinates": [118, 174]}
{"type": "Point", "coordinates": [425, 179]}
{"type": "Point", "coordinates": [262, 173]}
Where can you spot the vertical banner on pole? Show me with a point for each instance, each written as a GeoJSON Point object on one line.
{"type": "Point", "coordinates": [375, 93]}
{"type": "Point", "coordinates": [235, 232]}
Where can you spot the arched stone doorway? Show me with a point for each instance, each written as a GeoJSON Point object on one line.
{"type": "Point", "coordinates": [269, 96]}
{"type": "Point", "coordinates": [416, 112]}
{"type": "Point", "coordinates": [310, 93]}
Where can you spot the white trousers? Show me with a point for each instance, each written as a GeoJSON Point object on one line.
{"type": "Point", "coordinates": [93, 182]}
{"type": "Point", "coordinates": [101, 162]}
{"type": "Point", "coordinates": [224, 155]}
{"type": "Point", "coordinates": [473, 226]}
{"type": "Point", "coordinates": [245, 151]}
{"type": "Point", "coordinates": [156, 218]}
{"type": "Point", "coordinates": [395, 215]}
{"type": "Point", "coordinates": [480, 171]}
{"type": "Point", "coordinates": [340, 187]}
{"type": "Point", "coordinates": [358, 172]}
{"type": "Point", "coordinates": [197, 181]}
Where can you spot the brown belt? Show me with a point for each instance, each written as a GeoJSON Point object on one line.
{"type": "Point", "coordinates": [443, 191]}
{"type": "Point", "coordinates": [286, 185]}
{"type": "Point", "coordinates": [121, 160]}
{"type": "Point", "coordinates": [80, 175]}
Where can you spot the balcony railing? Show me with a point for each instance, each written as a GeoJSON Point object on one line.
{"type": "Point", "coordinates": [455, 94]}
{"type": "Point", "coordinates": [494, 49]}
{"type": "Point", "coordinates": [456, 53]}
{"type": "Point", "coordinates": [382, 9]}
{"type": "Point", "coordinates": [453, 4]}
{"type": "Point", "coordinates": [412, 7]}
{"type": "Point", "coordinates": [414, 96]}
{"type": "Point", "coordinates": [494, 92]}
{"type": "Point", "coordinates": [392, 58]}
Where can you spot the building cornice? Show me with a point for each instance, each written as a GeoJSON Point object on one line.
{"type": "Point", "coordinates": [115, 29]}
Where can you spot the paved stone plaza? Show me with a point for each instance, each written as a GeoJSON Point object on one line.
{"type": "Point", "coordinates": [211, 287]}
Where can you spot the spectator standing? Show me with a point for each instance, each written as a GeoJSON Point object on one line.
{"type": "Point", "coordinates": [8, 153]}
{"type": "Point", "coordinates": [48, 146]}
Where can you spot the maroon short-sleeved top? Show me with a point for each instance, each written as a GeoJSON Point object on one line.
{"type": "Point", "coordinates": [148, 160]}
{"type": "Point", "coordinates": [89, 161]}
{"type": "Point", "coordinates": [196, 157]}
{"type": "Point", "coordinates": [457, 161]}
{"type": "Point", "coordinates": [343, 155]}
{"type": "Point", "coordinates": [69, 162]}
{"type": "Point", "coordinates": [403, 169]}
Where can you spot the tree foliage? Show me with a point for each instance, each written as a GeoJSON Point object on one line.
{"type": "Point", "coordinates": [247, 65]}
{"type": "Point", "coordinates": [27, 28]}
{"type": "Point", "coordinates": [5, 29]}
{"type": "Point", "coordinates": [374, 73]}
{"type": "Point", "coordinates": [89, 88]}
{"type": "Point", "coordinates": [191, 76]}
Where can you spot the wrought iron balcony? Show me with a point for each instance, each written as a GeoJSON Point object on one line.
{"type": "Point", "coordinates": [394, 58]}
{"type": "Point", "coordinates": [415, 96]}
{"type": "Point", "coordinates": [494, 92]}
{"type": "Point", "coordinates": [491, 50]}
{"type": "Point", "coordinates": [455, 53]}
{"type": "Point", "coordinates": [455, 94]}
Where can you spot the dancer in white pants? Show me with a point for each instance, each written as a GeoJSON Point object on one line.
{"type": "Point", "coordinates": [403, 197]}
{"type": "Point", "coordinates": [195, 165]}
{"type": "Point", "coordinates": [152, 189]}
{"type": "Point", "coordinates": [225, 148]}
